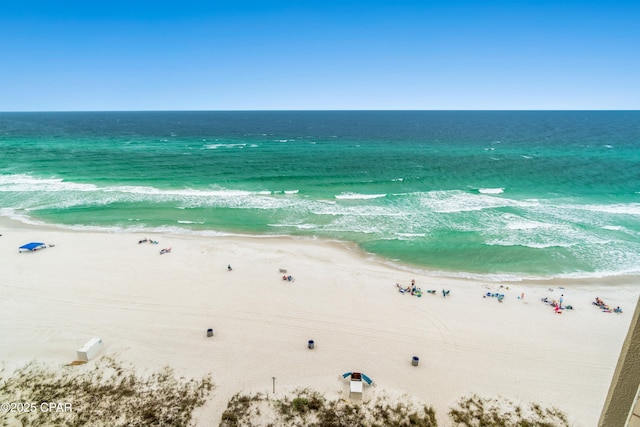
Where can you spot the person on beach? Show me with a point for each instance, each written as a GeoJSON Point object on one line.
{"type": "Point", "coordinates": [229, 267]}
{"type": "Point", "coordinates": [401, 289]}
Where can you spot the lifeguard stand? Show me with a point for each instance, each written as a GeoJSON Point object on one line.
{"type": "Point", "coordinates": [355, 385]}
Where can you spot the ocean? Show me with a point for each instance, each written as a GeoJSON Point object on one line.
{"type": "Point", "coordinates": [491, 194]}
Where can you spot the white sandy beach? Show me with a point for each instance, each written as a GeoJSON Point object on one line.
{"type": "Point", "coordinates": [153, 310]}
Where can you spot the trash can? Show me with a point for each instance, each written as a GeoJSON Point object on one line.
{"type": "Point", "coordinates": [209, 332]}
{"type": "Point", "coordinates": [311, 344]}
{"type": "Point", "coordinates": [415, 360]}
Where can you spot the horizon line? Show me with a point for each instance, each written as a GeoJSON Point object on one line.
{"type": "Point", "coordinates": [317, 110]}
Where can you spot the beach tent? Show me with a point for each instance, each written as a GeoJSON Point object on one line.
{"type": "Point", "coordinates": [33, 246]}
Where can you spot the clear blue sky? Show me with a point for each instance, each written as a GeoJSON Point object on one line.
{"type": "Point", "coordinates": [318, 55]}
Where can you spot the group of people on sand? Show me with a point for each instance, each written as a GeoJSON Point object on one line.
{"type": "Point", "coordinates": [416, 291]}
{"type": "Point", "coordinates": [497, 295]}
{"type": "Point", "coordinates": [557, 305]}
{"type": "Point", "coordinates": [286, 276]}
{"type": "Point", "coordinates": [154, 242]}
{"type": "Point", "coordinates": [145, 240]}
{"type": "Point", "coordinates": [604, 307]}
{"type": "Point", "coordinates": [412, 289]}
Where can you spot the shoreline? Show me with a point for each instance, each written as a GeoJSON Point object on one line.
{"type": "Point", "coordinates": [153, 310]}
{"type": "Point", "coordinates": [519, 278]}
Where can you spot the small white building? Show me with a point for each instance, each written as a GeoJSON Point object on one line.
{"type": "Point", "coordinates": [90, 349]}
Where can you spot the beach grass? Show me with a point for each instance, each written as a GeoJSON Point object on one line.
{"type": "Point", "coordinates": [476, 411]}
{"type": "Point", "coordinates": [107, 393]}
{"type": "Point", "coordinates": [306, 407]}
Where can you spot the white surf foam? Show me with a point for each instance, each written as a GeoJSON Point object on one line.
{"type": "Point", "coordinates": [28, 183]}
{"type": "Point", "coordinates": [621, 208]}
{"type": "Point", "coordinates": [298, 226]}
{"type": "Point", "coordinates": [225, 145]}
{"type": "Point", "coordinates": [451, 201]}
{"type": "Point", "coordinates": [491, 190]}
{"type": "Point", "coordinates": [358, 196]}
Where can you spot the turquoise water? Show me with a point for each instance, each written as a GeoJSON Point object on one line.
{"type": "Point", "coordinates": [536, 194]}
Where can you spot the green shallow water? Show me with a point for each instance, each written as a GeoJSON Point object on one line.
{"type": "Point", "coordinates": [495, 193]}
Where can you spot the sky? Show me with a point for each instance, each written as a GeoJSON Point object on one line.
{"type": "Point", "coordinates": [319, 55]}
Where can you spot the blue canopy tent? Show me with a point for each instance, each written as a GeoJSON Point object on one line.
{"type": "Point", "coordinates": [32, 247]}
